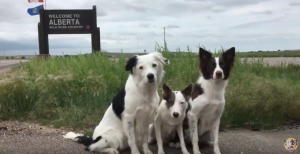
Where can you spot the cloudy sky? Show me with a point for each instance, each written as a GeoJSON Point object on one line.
{"type": "Point", "coordinates": [135, 25]}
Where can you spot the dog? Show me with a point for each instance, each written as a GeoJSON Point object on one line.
{"type": "Point", "coordinates": [208, 100]}
{"type": "Point", "coordinates": [132, 109]}
{"type": "Point", "coordinates": [168, 123]}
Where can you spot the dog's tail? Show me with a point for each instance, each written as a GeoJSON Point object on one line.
{"type": "Point", "coordinates": [81, 138]}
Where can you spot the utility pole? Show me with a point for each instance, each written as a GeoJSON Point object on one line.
{"type": "Point", "coordinates": [137, 44]}
{"type": "Point", "coordinates": [164, 38]}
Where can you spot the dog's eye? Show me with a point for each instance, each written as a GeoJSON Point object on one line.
{"type": "Point", "coordinates": [154, 65]}
{"type": "Point", "coordinates": [181, 103]}
{"type": "Point", "coordinates": [141, 67]}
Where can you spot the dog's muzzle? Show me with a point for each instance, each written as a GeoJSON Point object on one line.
{"type": "Point", "coordinates": [219, 75]}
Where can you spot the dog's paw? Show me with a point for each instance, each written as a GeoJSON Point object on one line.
{"type": "Point", "coordinates": [147, 151]}
{"type": "Point", "coordinates": [185, 152]}
{"type": "Point", "coordinates": [217, 151]}
{"type": "Point", "coordinates": [160, 152]}
{"type": "Point", "coordinates": [135, 152]}
{"type": "Point", "coordinates": [171, 144]}
{"type": "Point", "coordinates": [112, 151]}
{"type": "Point", "coordinates": [151, 141]}
{"type": "Point", "coordinates": [210, 144]}
{"type": "Point", "coordinates": [196, 152]}
{"type": "Point", "coordinates": [177, 145]}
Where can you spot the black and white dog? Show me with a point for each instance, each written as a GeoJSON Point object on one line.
{"type": "Point", "coordinates": [168, 123]}
{"type": "Point", "coordinates": [208, 100]}
{"type": "Point", "coordinates": [131, 110]}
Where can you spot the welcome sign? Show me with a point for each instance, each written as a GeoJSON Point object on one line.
{"type": "Point", "coordinates": [68, 21]}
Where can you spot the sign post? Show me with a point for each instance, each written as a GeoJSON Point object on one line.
{"type": "Point", "coordinates": [68, 22]}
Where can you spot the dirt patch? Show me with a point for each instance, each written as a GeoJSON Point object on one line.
{"type": "Point", "coordinates": [25, 137]}
{"type": "Point", "coordinates": [28, 128]}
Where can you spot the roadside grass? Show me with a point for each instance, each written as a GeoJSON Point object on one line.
{"type": "Point", "coordinates": [75, 91]}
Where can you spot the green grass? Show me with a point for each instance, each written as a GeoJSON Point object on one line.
{"type": "Point", "coordinates": [76, 91]}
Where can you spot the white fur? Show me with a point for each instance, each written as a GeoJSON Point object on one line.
{"type": "Point", "coordinates": [208, 108]}
{"type": "Point", "coordinates": [218, 69]}
{"type": "Point", "coordinates": [165, 124]}
{"type": "Point", "coordinates": [72, 136]}
{"type": "Point", "coordinates": [141, 103]}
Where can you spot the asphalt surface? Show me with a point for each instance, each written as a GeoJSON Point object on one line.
{"type": "Point", "coordinates": [6, 65]}
{"type": "Point", "coordinates": [24, 138]}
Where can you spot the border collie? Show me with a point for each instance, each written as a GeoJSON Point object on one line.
{"type": "Point", "coordinates": [208, 100]}
{"type": "Point", "coordinates": [169, 120]}
{"type": "Point", "coordinates": [132, 109]}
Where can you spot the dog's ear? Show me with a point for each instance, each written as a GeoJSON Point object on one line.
{"type": "Point", "coordinates": [166, 92]}
{"type": "Point", "coordinates": [229, 55]}
{"type": "Point", "coordinates": [131, 63]}
{"type": "Point", "coordinates": [187, 92]}
{"type": "Point", "coordinates": [160, 57]}
{"type": "Point", "coordinates": [204, 54]}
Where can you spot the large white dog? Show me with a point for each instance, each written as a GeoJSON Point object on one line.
{"type": "Point", "coordinates": [208, 100]}
{"type": "Point", "coordinates": [131, 110]}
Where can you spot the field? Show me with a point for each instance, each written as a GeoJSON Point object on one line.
{"type": "Point", "coordinates": [75, 91]}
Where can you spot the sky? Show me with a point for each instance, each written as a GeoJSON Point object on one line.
{"type": "Point", "coordinates": [137, 25]}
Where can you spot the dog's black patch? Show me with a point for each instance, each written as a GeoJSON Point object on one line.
{"type": "Point", "coordinates": [168, 96]}
{"type": "Point", "coordinates": [207, 63]}
{"type": "Point", "coordinates": [87, 141]}
{"type": "Point", "coordinates": [198, 90]}
{"type": "Point", "coordinates": [118, 103]}
{"type": "Point", "coordinates": [131, 63]}
{"type": "Point", "coordinates": [226, 62]}
{"type": "Point", "coordinates": [187, 92]}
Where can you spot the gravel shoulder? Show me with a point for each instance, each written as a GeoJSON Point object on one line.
{"type": "Point", "coordinates": [29, 138]}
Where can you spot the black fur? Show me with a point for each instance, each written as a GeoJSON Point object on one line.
{"type": "Point", "coordinates": [87, 141]}
{"type": "Point", "coordinates": [198, 90]}
{"type": "Point", "coordinates": [131, 63]}
{"type": "Point", "coordinates": [118, 103]}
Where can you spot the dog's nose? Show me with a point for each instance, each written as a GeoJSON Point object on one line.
{"type": "Point", "coordinates": [175, 114]}
{"type": "Point", "coordinates": [150, 76]}
{"type": "Point", "coordinates": [219, 74]}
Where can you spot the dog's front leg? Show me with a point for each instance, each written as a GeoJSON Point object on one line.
{"type": "Point", "coordinates": [193, 122]}
{"type": "Point", "coordinates": [128, 124]}
{"type": "Point", "coordinates": [145, 139]}
{"type": "Point", "coordinates": [157, 125]}
{"type": "Point", "coordinates": [152, 139]}
{"type": "Point", "coordinates": [181, 138]}
{"type": "Point", "coordinates": [216, 136]}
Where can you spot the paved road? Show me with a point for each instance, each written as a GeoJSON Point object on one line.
{"type": "Point", "coordinates": [20, 138]}
{"type": "Point", "coordinates": [7, 64]}
{"type": "Point", "coordinates": [277, 60]}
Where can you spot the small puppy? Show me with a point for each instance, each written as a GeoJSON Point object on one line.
{"type": "Point", "coordinates": [170, 116]}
